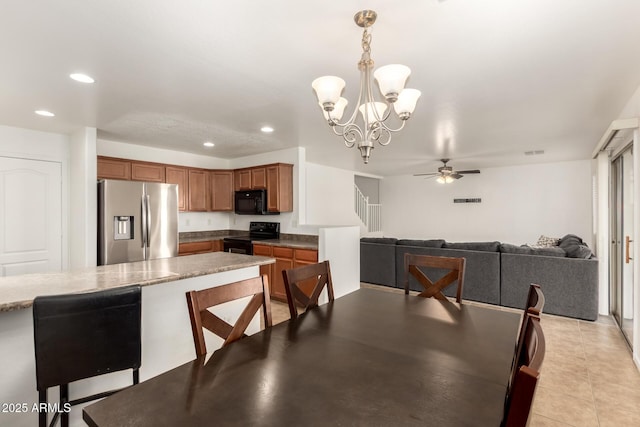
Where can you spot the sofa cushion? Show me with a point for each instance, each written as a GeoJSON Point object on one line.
{"type": "Point", "coordinates": [474, 246]}
{"type": "Point", "coordinates": [380, 240]}
{"type": "Point", "coordinates": [579, 251]}
{"type": "Point", "coordinates": [575, 247]}
{"type": "Point", "coordinates": [508, 248]}
{"type": "Point", "coordinates": [435, 243]}
{"type": "Point", "coordinates": [549, 251]}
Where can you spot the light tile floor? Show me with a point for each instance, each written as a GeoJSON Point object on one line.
{"type": "Point", "coordinates": [588, 377]}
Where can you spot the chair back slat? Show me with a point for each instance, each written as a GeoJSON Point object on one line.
{"type": "Point", "coordinates": [414, 266]}
{"type": "Point", "coordinates": [297, 281]}
{"type": "Point", "coordinates": [198, 303]}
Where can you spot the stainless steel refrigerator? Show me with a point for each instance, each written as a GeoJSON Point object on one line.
{"type": "Point", "coordinates": [137, 221]}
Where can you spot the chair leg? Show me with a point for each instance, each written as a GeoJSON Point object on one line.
{"type": "Point", "coordinates": [136, 376]}
{"type": "Point", "coordinates": [42, 414]}
{"type": "Point", "coordinates": [64, 398]}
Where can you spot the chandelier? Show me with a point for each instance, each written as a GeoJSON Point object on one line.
{"type": "Point", "coordinates": [391, 80]}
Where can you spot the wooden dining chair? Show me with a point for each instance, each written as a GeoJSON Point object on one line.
{"type": "Point", "coordinates": [525, 376]}
{"type": "Point", "coordinates": [304, 285]}
{"type": "Point", "coordinates": [412, 264]}
{"type": "Point", "coordinates": [79, 336]}
{"type": "Point", "coordinates": [198, 303]}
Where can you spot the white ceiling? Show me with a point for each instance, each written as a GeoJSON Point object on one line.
{"type": "Point", "coordinates": [498, 77]}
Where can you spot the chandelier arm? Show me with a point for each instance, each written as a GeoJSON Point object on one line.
{"type": "Point", "coordinates": [388, 128]}
{"type": "Point", "coordinates": [381, 134]}
{"type": "Point", "coordinates": [350, 135]}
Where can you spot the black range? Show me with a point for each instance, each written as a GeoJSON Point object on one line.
{"type": "Point", "coordinates": [257, 231]}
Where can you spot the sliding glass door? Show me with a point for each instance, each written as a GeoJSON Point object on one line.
{"type": "Point", "coordinates": [622, 238]}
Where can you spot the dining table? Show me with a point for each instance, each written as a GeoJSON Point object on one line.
{"type": "Point", "coordinates": [369, 358]}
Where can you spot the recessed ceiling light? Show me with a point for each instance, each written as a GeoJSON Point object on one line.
{"type": "Point", "coordinates": [266, 129]}
{"type": "Point", "coordinates": [44, 113]}
{"type": "Point", "coordinates": [83, 78]}
{"type": "Point", "coordinates": [209, 144]}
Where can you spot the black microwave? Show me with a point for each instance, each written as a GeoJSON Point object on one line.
{"type": "Point", "coordinates": [252, 202]}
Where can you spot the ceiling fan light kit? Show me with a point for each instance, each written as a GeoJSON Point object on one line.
{"type": "Point", "coordinates": [446, 174]}
{"type": "Point", "coordinates": [373, 126]}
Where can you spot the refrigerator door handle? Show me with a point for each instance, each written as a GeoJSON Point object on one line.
{"type": "Point", "coordinates": [148, 220]}
{"type": "Point", "coordinates": [144, 222]}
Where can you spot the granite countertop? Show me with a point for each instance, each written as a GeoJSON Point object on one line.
{"type": "Point", "coordinates": [17, 292]}
{"type": "Point", "coordinates": [295, 244]}
{"type": "Point", "coordinates": [296, 241]}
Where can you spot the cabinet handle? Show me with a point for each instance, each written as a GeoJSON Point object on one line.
{"type": "Point", "coordinates": [627, 242]}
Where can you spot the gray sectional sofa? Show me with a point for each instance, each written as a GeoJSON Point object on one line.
{"type": "Point", "coordinates": [497, 273]}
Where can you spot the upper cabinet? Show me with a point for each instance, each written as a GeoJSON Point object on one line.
{"type": "Point", "coordinates": [205, 190]}
{"type": "Point", "coordinates": [149, 172]}
{"type": "Point", "coordinates": [198, 190]}
{"type": "Point", "coordinates": [276, 178]}
{"type": "Point", "coordinates": [221, 187]}
{"type": "Point", "coordinates": [242, 179]}
{"type": "Point", "coordinates": [110, 168]}
{"type": "Point", "coordinates": [178, 175]}
{"type": "Point", "coordinates": [279, 187]}
{"type": "Point", "coordinates": [258, 178]}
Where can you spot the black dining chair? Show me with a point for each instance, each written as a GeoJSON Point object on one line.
{"type": "Point", "coordinates": [79, 336]}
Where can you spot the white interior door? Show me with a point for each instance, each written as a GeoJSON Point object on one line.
{"type": "Point", "coordinates": [30, 216]}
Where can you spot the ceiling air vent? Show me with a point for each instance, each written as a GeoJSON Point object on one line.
{"type": "Point", "coordinates": [533, 152]}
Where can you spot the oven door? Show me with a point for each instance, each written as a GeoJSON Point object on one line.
{"type": "Point", "coordinates": [236, 247]}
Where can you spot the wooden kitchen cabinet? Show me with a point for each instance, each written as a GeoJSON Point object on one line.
{"type": "Point", "coordinates": [112, 168]}
{"type": "Point", "coordinates": [179, 175]}
{"type": "Point", "coordinates": [221, 190]}
{"type": "Point", "coordinates": [198, 190]}
{"type": "Point", "coordinates": [286, 258]}
{"type": "Point", "coordinates": [279, 187]}
{"type": "Point", "coordinates": [266, 250]}
{"type": "Point", "coordinates": [242, 179]}
{"type": "Point", "coordinates": [192, 248]}
{"type": "Point", "coordinates": [258, 178]}
{"type": "Point", "coordinates": [149, 172]}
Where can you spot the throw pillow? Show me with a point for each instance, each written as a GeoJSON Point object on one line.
{"type": "Point", "coordinates": [546, 242]}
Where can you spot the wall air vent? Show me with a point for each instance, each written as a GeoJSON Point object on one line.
{"type": "Point", "coordinates": [472, 200]}
{"type": "Point", "coordinates": [533, 152]}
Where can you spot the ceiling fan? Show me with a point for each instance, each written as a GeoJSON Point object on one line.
{"type": "Point", "coordinates": [446, 174]}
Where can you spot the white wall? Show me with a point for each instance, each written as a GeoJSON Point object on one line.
{"type": "Point", "coordinates": [519, 203]}
{"type": "Point", "coordinates": [330, 196]}
{"type": "Point", "coordinates": [83, 205]}
{"type": "Point", "coordinates": [341, 247]}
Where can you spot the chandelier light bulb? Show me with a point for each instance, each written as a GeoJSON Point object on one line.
{"type": "Point", "coordinates": [372, 109]}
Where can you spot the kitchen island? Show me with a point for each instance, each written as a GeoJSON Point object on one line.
{"type": "Point", "coordinates": [166, 331]}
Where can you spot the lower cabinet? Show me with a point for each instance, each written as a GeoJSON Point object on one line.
{"type": "Point", "coordinates": [286, 259]}
{"type": "Point", "coordinates": [192, 248]}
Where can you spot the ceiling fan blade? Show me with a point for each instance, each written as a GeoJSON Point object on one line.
{"type": "Point", "coordinates": [469, 171]}
{"type": "Point", "coordinates": [426, 174]}
{"type": "Point", "coordinates": [456, 175]}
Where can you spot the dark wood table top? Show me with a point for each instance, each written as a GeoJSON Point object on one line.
{"type": "Point", "coordinates": [370, 358]}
